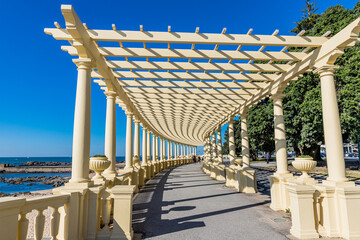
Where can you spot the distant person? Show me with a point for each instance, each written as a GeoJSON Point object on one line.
{"type": "Point", "coordinates": [267, 156]}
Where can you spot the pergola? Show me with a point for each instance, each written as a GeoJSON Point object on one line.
{"type": "Point", "coordinates": [179, 90]}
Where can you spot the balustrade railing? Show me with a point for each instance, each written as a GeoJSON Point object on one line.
{"type": "Point", "coordinates": [100, 211]}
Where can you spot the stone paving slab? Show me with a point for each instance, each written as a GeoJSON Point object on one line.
{"type": "Point", "coordinates": [184, 203]}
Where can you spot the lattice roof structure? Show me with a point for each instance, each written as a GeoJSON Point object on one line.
{"type": "Point", "coordinates": [183, 92]}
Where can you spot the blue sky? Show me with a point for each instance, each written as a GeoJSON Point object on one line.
{"type": "Point", "coordinates": [37, 94]}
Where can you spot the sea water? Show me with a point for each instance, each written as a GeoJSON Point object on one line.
{"type": "Point", "coordinates": [32, 186]}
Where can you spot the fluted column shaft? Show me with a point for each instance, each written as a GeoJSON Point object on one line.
{"type": "Point", "coordinates": [214, 155]}
{"type": "Point", "coordinates": [144, 147]}
{"type": "Point", "coordinates": [168, 150]}
{"type": "Point", "coordinates": [154, 147]}
{"type": "Point", "coordinates": [148, 150]}
{"type": "Point", "coordinates": [161, 148]}
{"type": "Point", "coordinates": [110, 132]}
{"type": "Point", "coordinates": [280, 137]}
{"type": "Point", "coordinates": [82, 123]}
{"type": "Point", "coordinates": [245, 141]}
{"type": "Point", "coordinates": [219, 145]}
{"type": "Point", "coordinates": [129, 141]}
{"type": "Point", "coordinates": [332, 128]}
{"type": "Point", "coordinates": [231, 142]}
{"type": "Point", "coordinates": [137, 139]}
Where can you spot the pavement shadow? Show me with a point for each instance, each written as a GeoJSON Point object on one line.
{"type": "Point", "coordinates": [149, 218]}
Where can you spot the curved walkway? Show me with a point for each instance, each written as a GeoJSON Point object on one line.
{"type": "Point", "coordinates": [183, 203]}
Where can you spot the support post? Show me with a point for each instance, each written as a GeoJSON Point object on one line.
{"type": "Point", "coordinates": [137, 144]}
{"type": "Point", "coordinates": [110, 133]}
{"type": "Point", "coordinates": [231, 142]}
{"type": "Point", "coordinates": [332, 129]}
{"type": "Point", "coordinates": [280, 198]}
{"type": "Point", "coordinates": [82, 122]}
{"type": "Point", "coordinates": [129, 141]}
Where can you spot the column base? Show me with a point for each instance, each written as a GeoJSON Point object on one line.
{"type": "Point", "coordinates": [339, 209]}
{"type": "Point", "coordinates": [280, 199]}
{"type": "Point", "coordinates": [302, 211]}
{"type": "Point", "coordinates": [245, 180]}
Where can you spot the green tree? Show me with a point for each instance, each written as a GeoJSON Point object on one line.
{"type": "Point", "coordinates": [302, 103]}
{"type": "Point", "coordinates": [308, 19]}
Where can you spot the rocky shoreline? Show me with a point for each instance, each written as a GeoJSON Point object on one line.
{"type": "Point", "coordinates": [39, 167]}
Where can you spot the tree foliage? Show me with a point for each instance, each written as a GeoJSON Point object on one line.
{"type": "Point", "coordinates": [308, 19]}
{"type": "Point", "coordinates": [302, 103]}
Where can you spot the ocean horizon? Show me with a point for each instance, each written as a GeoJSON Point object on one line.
{"type": "Point", "coordinates": [32, 186]}
{"type": "Point", "coordinates": [16, 161]}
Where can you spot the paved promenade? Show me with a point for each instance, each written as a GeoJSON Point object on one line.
{"type": "Point", "coordinates": [184, 203]}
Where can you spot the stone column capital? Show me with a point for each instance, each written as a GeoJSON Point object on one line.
{"type": "Point", "coordinates": [110, 94]}
{"type": "Point", "coordinates": [129, 114]}
{"type": "Point", "coordinates": [326, 70]}
{"type": "Point", "coordinates": [84, 63]}
{"type": "Point", "coordinates": [137, 121]}
{"type": "Point", "coordinates": [278, 96]}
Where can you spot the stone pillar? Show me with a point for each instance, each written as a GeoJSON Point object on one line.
{"type": "Point", "coordinates": [210, 149]}
{"type": "Point", "coordinates": [110, 132]}
{"type": "Point", "coordinates": [280, 138]}
{"type": "Point", "coordinates": [219, 146]}
{"type": "Point", "coordinates": [82, 122]}
{"type": "Point", "coordinates": [129, 141]}
{"type": "Point", "coordinates": [280, 198]}
{"type": "Point", "coordinates": [231, 142]}
{"type": "Point", "coordinates": [157, 147]}
{"type": "Point", "coordinates": [161, 148]}
{"type": "Point", "coordinates": [245, 147]}
{"type": "Point", "coordinates": [148, 147]}
{"type": "Point", "coordinates": [332, 129]}
{"type": "Point", "coordinates": [137, 143]}
{"type": "Point", "coordinates": [214, 155]}
{"type": "Point", "coordinates": [154, 147]}
{"type": "Point", "coordinates": [168, 150]}
{"type": "Point", "coordinates": [144, 147]}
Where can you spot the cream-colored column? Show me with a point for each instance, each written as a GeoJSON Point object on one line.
{"type": "Point", "coordinates": [171, 149]}
{"type": "Point", "coordinates": [110, 132]}
{"type": "Point", "coordinates": [154, 147]}
{"type": "Point", "coordinates": [332, 129]}
{"type": "Point", "coordinates": [219, 146]}
{"type": "Point", "coordinates": [137, 141]}
{"type": "Point", "coordinates": [168, 150]}
{"type": "Point", "coordinates": [245, 141]}
{"type": "Point", "coordinates": [280, 138]}
{"type": "Point", "coordinates": [82, 123]}
{"type": "Point", "coordinates": [231, 142]}
{"type": "Point", "coordinates": [161, 148]}
{"type": "Point", "coordinates": [148, 147]}
{"type": "Point", "coordinates": [209, 149]}
{"type": "Point", "coordinates": [144, 147]}
{"type": "Point", "coordinates": [176, 150]}
{"type": "Point", "coordinates": [129, 141]}
{"type": "Point", "coordinates": [157, 147]}
{"type": "Point", "coordinates": [214, 151]}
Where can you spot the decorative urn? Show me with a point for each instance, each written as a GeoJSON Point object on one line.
{"type": "Point", "coordinates": [136, 160]}
{"type": "Point", "coordinates": [304, 164]}
{"type": "Point", "coordinates": [238, 161]}
{"type": "Point", "coordinates": [98, 164]}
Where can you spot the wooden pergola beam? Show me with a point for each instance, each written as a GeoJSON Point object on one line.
{"type": "Point", "coordinates": [188, 76]}
{"type": "Point", "coordinates": [193, 54]}
{"type": "Point", "coordinates": [193, 38]}
{"type": "Point", "coordinates": [198, 66]}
